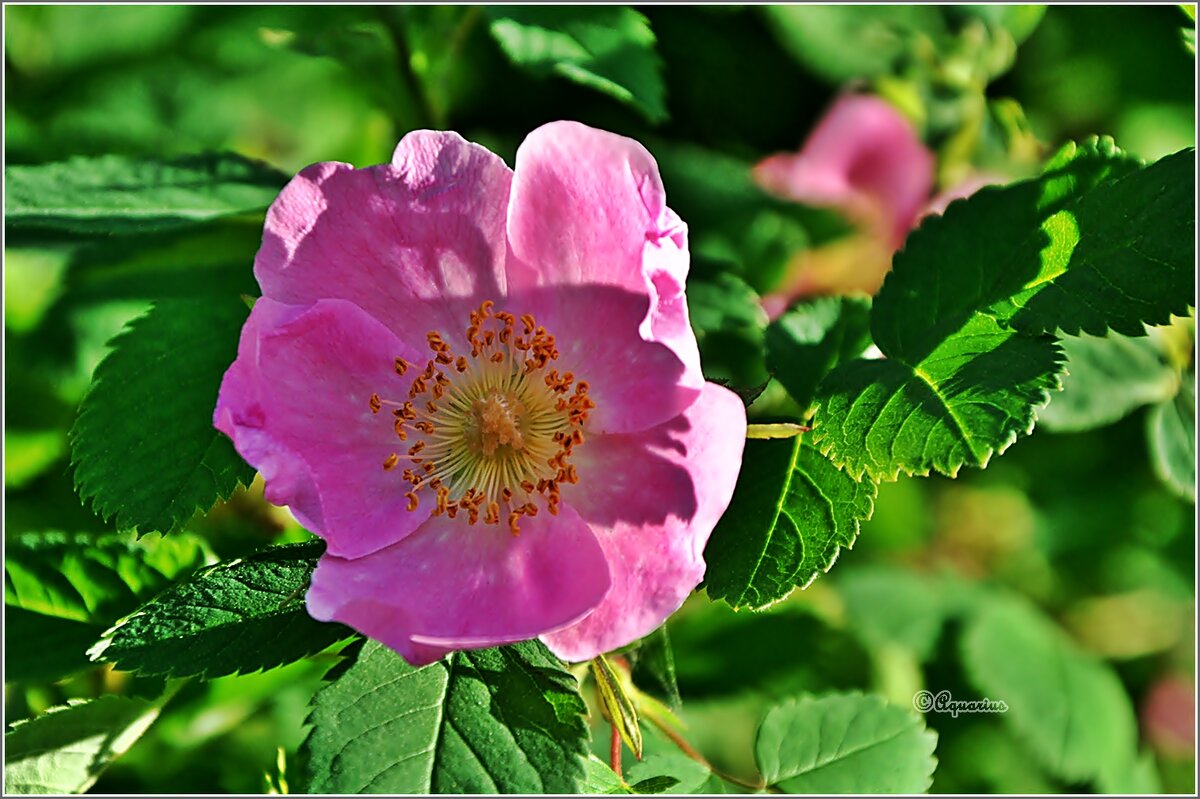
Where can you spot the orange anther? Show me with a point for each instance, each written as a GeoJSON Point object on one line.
{"type": "Point", "coordinates": [391, 462]}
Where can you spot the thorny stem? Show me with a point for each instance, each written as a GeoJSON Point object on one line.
{"type": "Point", "coordinates": [614, 752]}
{"type": "Point", "coordinates": [694, 754]}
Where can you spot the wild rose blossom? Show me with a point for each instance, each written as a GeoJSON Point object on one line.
{"type": "Point", "coordinates": [480, 387]}
{"type": "Point", "coordinates": [865, 160]}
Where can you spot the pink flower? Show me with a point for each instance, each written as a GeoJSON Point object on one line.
{"type": "Point", "coordinates": [865, 160]}
{"type": "Point", "coordinates": [480, 387]}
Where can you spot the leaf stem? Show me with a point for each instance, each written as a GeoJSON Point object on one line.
{"type": "Point", "coordinates": [694, 754]}
{"type": "Point", "coordinates": [778, 430]}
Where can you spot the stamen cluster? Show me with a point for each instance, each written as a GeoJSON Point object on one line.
{"type": "Point", "coordinates": [491, 431]}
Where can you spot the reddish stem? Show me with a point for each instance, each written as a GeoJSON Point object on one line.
{"type": "Point", "coordinates": [614, 752]}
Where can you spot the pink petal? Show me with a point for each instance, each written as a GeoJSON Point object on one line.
{"type": "Point", "coordinates": [653, 498]}
{"type": "Point", "coordinates": [588, 208]}
{"type": "Point", "coordinates": [636, 383]}
{"type": "Point", "coordinates": [296, 404]}
{"type": "Point", "coordinates": [414, 243]}
{"type": "Point", "coordinates": [864, 158]}
{"type": "Point", "coordinates": [454, 586]}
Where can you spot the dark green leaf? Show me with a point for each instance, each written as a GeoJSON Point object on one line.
{"type": "Point", "coordinates": [45, 648]}
{"type": "Point", "coordinates": [845, 743]}
{"type": "Point", "coordinates": [1106, 379]}
{"type": "Point", "coordinates": [650, 785]}
{"type": "Point", "coordinates": [609, 48]}
{"type": "Point", "coordinates": [812, 338]}
{"type": "Point", "coordinates": [728, 321]}
{"type": "Point", "coordinates": [235, 617]}
{"type": "Point", "coordinates": [1172, 430]}
{"type": "Point", "coordinates": [959, 383]}
{"type": "Point", "coordinates": [144, 448]}
{"type": "Point", "coordinates": [653, 667]}
{"type": "Point", "coordinates": [504, 720]}
{"type": "Point", "coordinates": [114, 194]}
{"type": "Point", "coordinates": [1070, 707]}
{"type": "Point", "coordinates": [65, 749]}
{"type": "Point", "coordinates": [792, 512]}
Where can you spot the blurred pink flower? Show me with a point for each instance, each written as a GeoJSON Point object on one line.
{"type": "Point", "coordinates": [554, 463]}
{"type": "Point", "coordinates": [865, 160]}
{"type": "Point", "coordinates": [1169, 716]}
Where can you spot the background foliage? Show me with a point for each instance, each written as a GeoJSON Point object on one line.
{"type": "Point", "coordinates": [143, 144]}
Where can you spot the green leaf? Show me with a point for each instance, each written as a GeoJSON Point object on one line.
{"type": "Point", "coordinates": [65, 749]}
{"type": "Point", "coordinates": [841, 43]}
{"type": "Point", "coordinates": [1172, 430]}
{"type": "Point", "coordinates": [62, 591]}
{"type": "Point", "coordinates": [1105, 380]}
{"type": "Point", "coordinates": [600, 778]}
{"type": "Point", "coordinates": [29, 453]}
{"type": "Point", "coordinates": [144, 448]}
{"type": "Point", "coordinates": [814, 336]}
{"type": "Point", "coordinates": [115, 194]}
{"type": "Point", "coordinates": [792, 512]}
{"type": "Point", "coordinates": [960, 318]}
{"type": "Point", "coordinates": [235, 617]}
{"type": "Point", "coordinates": [728, 320]}
{"type": "Point", "coordinates": [885, 606]}
{"type": "Point", "coordinates": [93, 579]}
{"type": "Point", "coordinates": [690, 776]}
{"type": "Point", "coordinates": [653, 667]}
{"type": "Point", "coordinates": [502, 720]}
{"type": "Point", "coordinates": [609, 48]}
{"type": "Point", "coordinates": [845, 743]}
{"type": "Point", "coordinates": [652, 785]}
{"type": "Point", "coordinates": [1071, 708]}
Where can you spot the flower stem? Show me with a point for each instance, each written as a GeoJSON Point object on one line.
{"type": "Point", "coordinates": [614, 752]}
{"type": "Point", "coordinates": [779, 430]}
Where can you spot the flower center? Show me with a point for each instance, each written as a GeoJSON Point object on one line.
{"type": "Point", "coordinates": [492, 431]}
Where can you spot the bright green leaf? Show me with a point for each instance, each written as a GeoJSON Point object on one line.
{"type": "Point", "coordinates": [65, 749]}
{"type": "Point", "coordinates": [845, 743]}
{"type": "Point", "coordinates": [114, 194]}
{"type": "Point", "coordinates": [609, 48]}
{"type": "Point", "coordinates": [812, 338]}
{"type": "Point", "coordinates": [1106, 379]}
{"type": "Point", "coordinates": [29, 453]}
{"type": "Point", "coordinates": [1071, 708]}
{"type": "Point", "coordinates": [792, 512]}
{"type": "Point", "coordinates": [1172, 430]}
{"type": "Point", "coordinates": [959, 383]}
{"type": "Point", "coordinates": [232, 618]}
{"type": "Point", "coordinates": [503, 720]}
{"type": "Point", "coordinates": [144, 448]}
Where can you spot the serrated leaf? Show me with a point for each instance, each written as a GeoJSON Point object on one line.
{"type": "Point", "coordinates": [143, 446]}
{"type": "Point", "coordinates": [1071, 708]}
{"type": "Point", "coordinates": [812, 338]}
{"type": "Point", "coordinates": [235, 617]}
{"type": "Point", "coordinates": [1106, 379]}
{"type": "Point", "coordinates": [599, 778]}
{"type": "Point", "coordinates": [502, 720]}
{"type": "Point", "coordinates": [966, 365]}
{"type": "Point", "coordinates": [845, 743]}
{"type": "Point", "coordinates": [1172, 429]}
{"type": "Point", "coordinates": [792, 511]}
{"type": "Point", "coordinates": [65, 749]}
{"type": "Point", "coordinates": [608, 48]}
{"type": "Point", "coordinates": [116, 194]}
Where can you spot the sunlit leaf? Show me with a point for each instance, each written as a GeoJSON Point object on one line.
{"type": "Point", "coordinates": [65, 749]}
{"type": "Point", "coordinates": [609, 48]}
{"type": "Point", "coordinates": [792, 512]}
{"type": "Point", "coordinates": [231, 618]}
{"type": "Point", "coordinates": [115, 194]}
{"type": "Point", "coordinates": [504, 720]}
{"type": "Point", "coordinates": [845, 743]}
{"type": "Point", "coordinates": [144, 449]}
